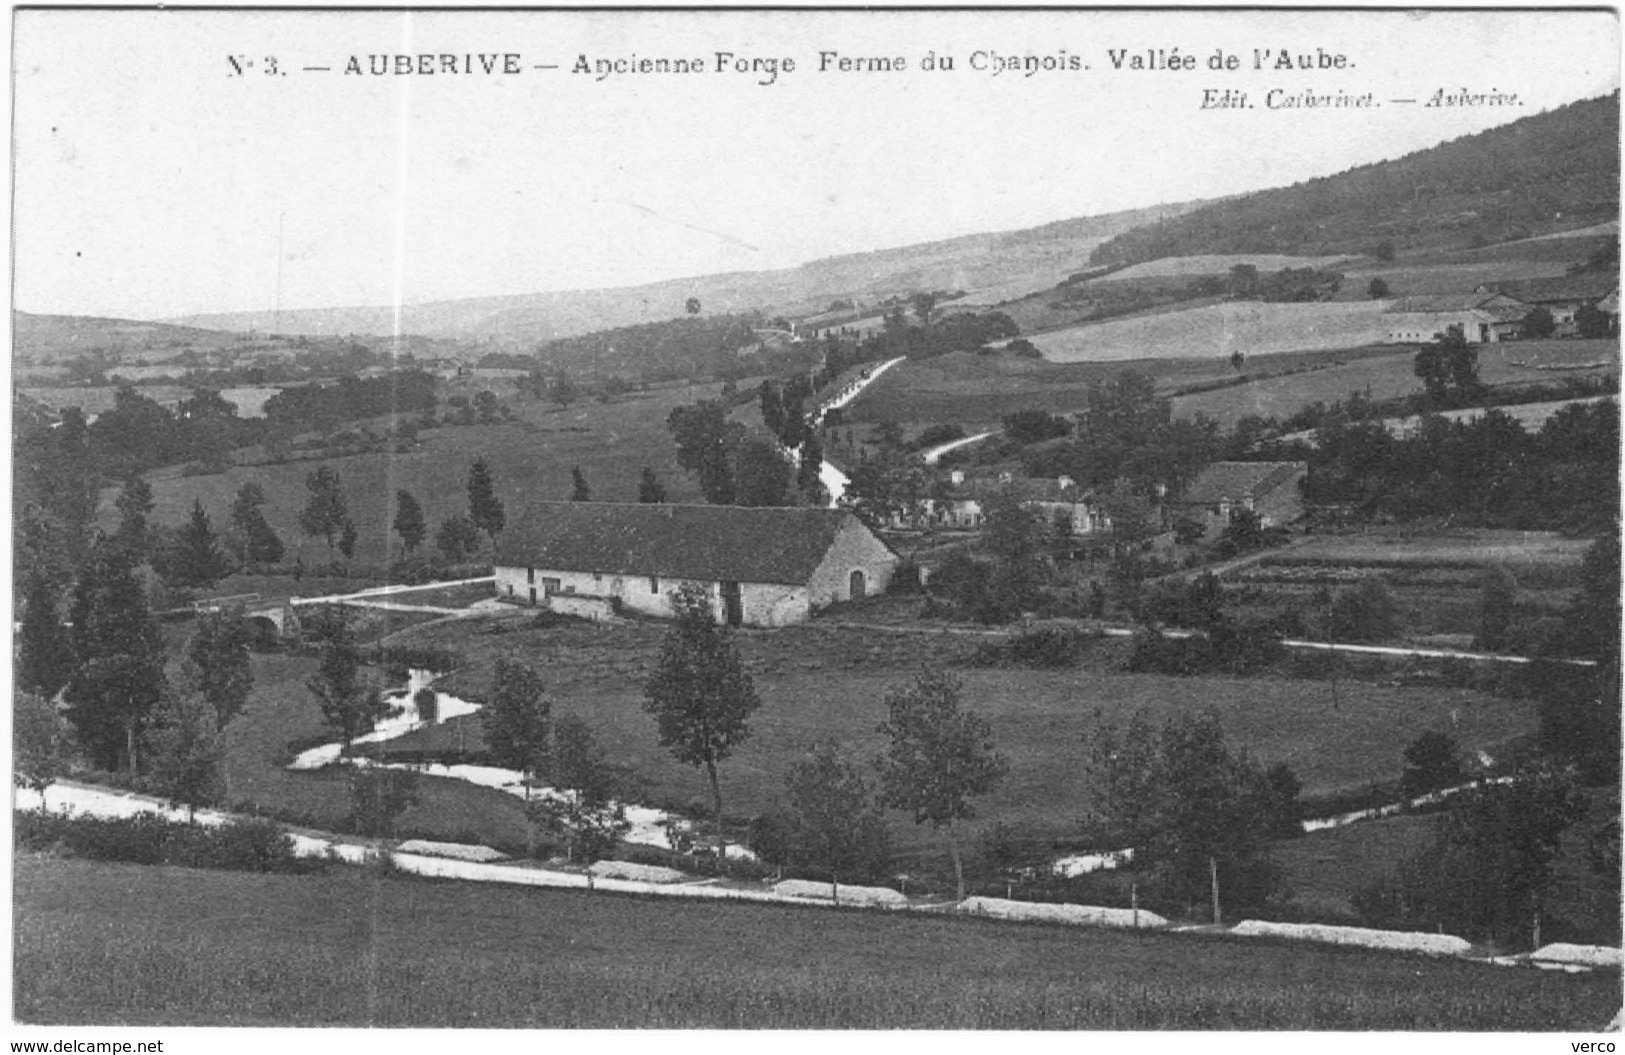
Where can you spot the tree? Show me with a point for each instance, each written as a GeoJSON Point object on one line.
{"type": "Point", "coordinates": [259, 541]}
{"type": "Point", "coordinates": [809, 467]}
{"type": "Point", "coordinates": [924, 305]}
{"type": "Point", "coordinates": [134, 505]}
{"type": "Point", "coordinates": [706, 444]}
{"type": "Point", "coordinates": [378, 797]}
{"type": "Point", "coordinates": [579, 491]}
{"type": "Point", "coordinates": [1377, 289]}
{"type": "Point", "coordinates": [692, 305]}
{"type": "Point", "coordinates": [1488, 873]}
{"type": "Point", "coordinates": [1198, 814]}
{"type": "Point", "coordinates": [185, 751]}
{"type": "Point", "coordinates": [1539, 323]}
{"type": "Point", "coordinates": [457, 537]}
{"type": "Point", "coordinates": [700, 695]}
{"type": "Point", "coordinates": [39, 744]}
{"type": "Point", "coordinates": [1034, 426]}
{"type": "Point", "coordinates": [45, 659]}
{"type": "Point", "coordinates": [324, 513]}
{"type": "Point", "coordinates": [582, 811]}
{"type": "Point", "coordinates": [486, 405]}
{"type": "Point", "coordinates": [1237, 360]}
{"type": "Point", "coordinates": [1591, 321]}
{"type": "Point", "coordinates": [517, 724]}
{"type": "Point", "coordinates": [264, 547]}
{"type": "Point", "coordinates": [120, 657]}
{"type": "Point", "coordinates": [1014, 533]}
{"type": "Point", "coordinates": [763, 476]}
{"type": "Point", "coordinates": [563, 390]}
{"type": "Point", "coordinates": [110, 700]}
{"type": "Point", "coordinates": [350, 702]}
{"type": "Point", "coordinates": [938, 758]}
{"type": "Point", "coordinates": [347, 539]}
{"type": "Point", "coordinates": [409, 523]}
{"type": "Point", "coordinates": [837, 828]}
{"type": "Point", "coordinates": [650, 489]}
{"type": "Point", "coordinates": [1243, 280]}
{"type": "Point", "coordinates": [1432, 761]}
{"type": "Point", "coordinates": [484, 507]}
{"type": "Point", "coordinates": [1497, 609]}
{"type": "Point", "coordinates": [197, 559]}
{"type": "Point", "coordinates": [217, 655]}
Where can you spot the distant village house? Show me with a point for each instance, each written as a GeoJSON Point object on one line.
{"type": "Point", "coordinates": [1272, 490]}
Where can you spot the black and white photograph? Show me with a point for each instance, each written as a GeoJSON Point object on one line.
{"type": "Point", "coordinates": [814, 519]}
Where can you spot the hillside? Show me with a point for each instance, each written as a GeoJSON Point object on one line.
{"type": "Point", "coordinates": [47, 338]}
{"type": "Point", "coordinates": [1044, 254]}
{"type": "Point", "coordinates": [1541, 174]}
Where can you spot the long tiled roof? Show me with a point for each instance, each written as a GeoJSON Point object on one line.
{"type": "Point", "coordinates": [713, 543]}
{"type": "Point", "coordinates": [1450, 302]}
{"type": "Point", "coordinates": [1238, 480]}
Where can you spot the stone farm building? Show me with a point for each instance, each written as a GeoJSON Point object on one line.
{"type": "Point", "coordinates": [762, 567]}
{"type": "Point", "coordinates": [1484, 317]}
{"type": "Point", "coordinates": [1270, 489]}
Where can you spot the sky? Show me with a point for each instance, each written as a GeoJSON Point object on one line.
{"type": "Point", "coordinates": [152, 179]}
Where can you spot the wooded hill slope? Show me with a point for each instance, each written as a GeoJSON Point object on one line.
{"type": "Point", "coordinates": [1553, 171]}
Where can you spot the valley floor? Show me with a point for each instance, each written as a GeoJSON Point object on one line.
{"type": "Point", "coordinates": [135, 945]}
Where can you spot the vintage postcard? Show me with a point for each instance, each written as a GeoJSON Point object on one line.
{"type": "Point", "coordinates": [722, 519]}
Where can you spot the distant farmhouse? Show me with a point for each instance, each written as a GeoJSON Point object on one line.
{"type": "Point", "coordinates": [1563, 295]}
{"type": "Point", "coordinates": [1485, 317]}
{"type": "Point", "coordinates": [963, 505]}
{"type": "Point", "coordinates": [1272, 490]}
{"type": "Point", "coordinates": [762, 567]}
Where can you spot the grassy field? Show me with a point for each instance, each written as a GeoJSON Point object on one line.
{"type": "Point", "coordinates": [822, 683]}
{"type": "Point", "coordinates": [282, 712]}
{"type": "Point", "coordinates": [133, 945]}
{"type": "Point", "coordinates": [1254, 328]}
{"type": "Point", "coordinates": [531, 460]}
{"type": "Point", "coordinates": [978, 390]}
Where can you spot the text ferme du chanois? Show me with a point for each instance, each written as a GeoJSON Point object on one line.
{"type": "Point", "coordinates": [770, 70]}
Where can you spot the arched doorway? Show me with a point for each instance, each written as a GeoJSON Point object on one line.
{"type": "Point", "coordinates": [857, 588]}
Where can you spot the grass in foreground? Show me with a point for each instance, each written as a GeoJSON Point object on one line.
{"type": "Point", "coordinates": [125, 944]}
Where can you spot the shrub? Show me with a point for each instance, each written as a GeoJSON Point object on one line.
{"type": "Point", "coordinates": [255, 845]}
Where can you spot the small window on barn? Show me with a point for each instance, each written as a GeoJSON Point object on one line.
{"type": "Point", "coordinates": [654, 584]}
{"type": "Point", "coordinates": [530, 575]}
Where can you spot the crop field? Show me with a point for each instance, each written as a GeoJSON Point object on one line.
{"type": "Point", "coordinates": [1408, 279]}
{"type": "Point", "coordinates": [531, 460]}
{"type": "Point", "coordinates": [1251, 327]}
{"type": "Point", "coordinates": [1435, 580]}
{"type": "Point", "coordinates": [825, 683]}
{"type": "Point", "coordinates": [1522, 551]}
{"type": "Point", "coordinates": [103, 944]}
{"type": "Point", "coordinates": [1376, 375]}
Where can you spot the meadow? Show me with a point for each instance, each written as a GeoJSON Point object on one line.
{"type": "Point", "coordinates": [826, 683]}
{"type": "Point", "coordinates": [531, 459]}
{"type": "Point", "coordinates": [103, 944]}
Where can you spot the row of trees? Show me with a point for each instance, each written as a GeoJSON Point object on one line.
{"type": "Point", "coordinates": [734, 468]}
